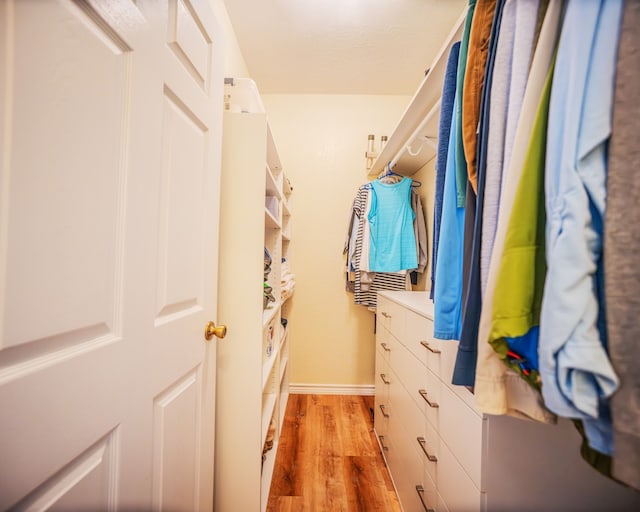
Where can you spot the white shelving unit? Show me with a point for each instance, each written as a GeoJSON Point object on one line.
{"type": "Point", "coordinates": [413, 142]}
{"type": "Point", "coordinates": [252, 373]}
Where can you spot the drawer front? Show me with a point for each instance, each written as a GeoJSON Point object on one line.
{"type": "Point", "coordinates": [381, 369]}
{"type": "Point", "coordinates": [383, 439]}
{"type": "Point", "coordinates": [406, 468]}
{"type": "Point", "coordinates": [382, 396]}
{"type": "Point", "coordinates": [396, 391]}
{"type": "Point", "coordinates": [462, 431]}
{"type": "Point", "coordinates": [420, 341]}
{"type": "Point", "coordinates": [410, 370]}
{"type": "Point", "coordinates": [430, 495]}
{"type": "Point", "coordinates": [442, 506]}
{"type": "Point", "coordinates": [387, 344]}
{"type": "Point", "coordinates": [457, 490]}
{"type": "Point", "coordinates": [426, 393]}
{"type": "Point", "coordinates": [430, 451]}
{"type": "Point", "coordinates": [392, 316]}
{"type": "Point", "coordinates": [382, 321]}
{"type": "Point", "coordinates": [420, 432]}
{"type": "Point", "coordinates": [381, 416]}
{"type": "Point", "coordinates": [383, 343]}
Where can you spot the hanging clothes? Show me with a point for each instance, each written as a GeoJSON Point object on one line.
{"type": "Point", "coordinates": [447, 303]}
{"type": "Point", "coordinates": [519, 273]}
{"type": "Point", "coordinates": [520, 279]}
{"type": "Point", "coordinates": [366, 284]}
{"type": "Point", "coordinates": [420, 233]}
{"type": "Point", "coordinates": [480, 43]}
{"type": "Point", "coordinates": [577, 376]}
{"type": "Point", "coordinates": [483, 17]}
{"type": "Point", "coordinates": [513, 57]}
{"type": "Point", "coordinates": [498, 389]}
{"type": "Point", "coordinates": [366, 295]}
{"type": "Point", "coordinates": [392, 239]}
{"type": "Point", "coordinates": [460, 162]}
{"type": "Point", "coordinates": [465, 365]}
{"type": "Point", "coordinates": [444, 130]}
{"type": "Point", "coordinates": [621, 249]}
{"type": "Point", "coordinates": [540, 17]}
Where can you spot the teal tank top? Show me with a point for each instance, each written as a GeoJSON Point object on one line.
{"type": "Point", "coordinates": [392, 245]}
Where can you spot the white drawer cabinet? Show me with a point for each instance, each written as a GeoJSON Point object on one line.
{"type": "Point", "coordinates": [421, 415]}
{"type": "Point", "coordinates": [444, 456]}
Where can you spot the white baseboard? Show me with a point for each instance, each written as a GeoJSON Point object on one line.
{"type": "Point", "coordinates": [301, 388]}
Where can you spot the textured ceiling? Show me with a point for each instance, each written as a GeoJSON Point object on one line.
{"type": "Point", "coordinates": [341, 46]}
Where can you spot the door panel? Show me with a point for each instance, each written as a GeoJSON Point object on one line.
{"type": "Point", "coordinates": [87, 481]}
{"type": "Point", "coordinates": [61, 268]}
{"type": "Point", "coordinates": [177, 415]}
{"type": "Point", "coordinates": [109, 172]}
{"type": "Point", "coordinates": [182, 204]}
{"type": "Point", "coordinates": [190, 41]}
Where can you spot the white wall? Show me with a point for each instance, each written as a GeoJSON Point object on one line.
{"type": "Point", "coordinates": [234, 63]}
{"type": "Point", "coordinates": [321, 140]}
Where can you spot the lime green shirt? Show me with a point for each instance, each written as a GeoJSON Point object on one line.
{"type": "Point", "coordinates": [522, 270]}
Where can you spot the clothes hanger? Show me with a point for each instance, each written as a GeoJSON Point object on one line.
{"type": "Point", "coordinates": [390, 172]}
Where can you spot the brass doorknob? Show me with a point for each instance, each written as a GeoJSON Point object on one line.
{"type": "Point", "coordinates": [211, 330]}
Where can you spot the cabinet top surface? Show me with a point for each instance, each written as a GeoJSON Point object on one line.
{"type": "Point", "coordinates": [418, 302]}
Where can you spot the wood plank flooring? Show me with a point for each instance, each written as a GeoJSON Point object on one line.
{"type": "Point", "coordinates": [328, 458]}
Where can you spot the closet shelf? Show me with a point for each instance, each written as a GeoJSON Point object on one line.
{"type": "Point", "coordinates": [269, 313]}
{"type": "Point", "coordinates": [268, 407]}
{"type": "Point", "coordinates": [269, 220]}
{"type": "Point", "coordinates": [271, 186]}
{"type": "Point", "coordinates": [418, 125]}
{"type": "Point", "coordinates": [283, 367]}
{"type": "Point", "coordinates": [267, 366]}
{"type": "Point", "coordinates": [284, 337]}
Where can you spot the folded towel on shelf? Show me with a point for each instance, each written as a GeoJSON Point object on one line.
{"type": "Point", "coordinates": [287, 281]}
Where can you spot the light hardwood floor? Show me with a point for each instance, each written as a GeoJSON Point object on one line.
{"type": "Point", "coordinates": [328, 458]}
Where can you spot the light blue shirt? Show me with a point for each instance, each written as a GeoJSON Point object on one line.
{"type": "Point", "coordinates": [447, 296]}
{"type": "Point", "coordinates": [577, 376]}
{"type": "Point", "coordinates": [392, 244]}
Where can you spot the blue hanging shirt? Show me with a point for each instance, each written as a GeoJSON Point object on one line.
{"type": "Point", "coordinates": [447, 296]}
{"type": "Point", "coordinates": [392, 245]}
{"type": "Point", "coordinates": [577, 376]}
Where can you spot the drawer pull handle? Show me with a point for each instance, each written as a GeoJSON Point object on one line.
{"type": "Point", "coordinates": [423, 394]}
{"type": "Point", "coordinates": [422, 442]}
{"type": "Point", "coordinates": [386, 315]}
{"type": "Point", "coordinates": [385, 448]}
{"type": "Point", "coordinates": [383, 376]}
{"type": "Point", "coordinates": [384, 413]}
{"type": "Point", "coordinates": [385, 346]}
{"type": "Point", "coordinates": [420, 491]}
{"type": "Point", "coordinates": [429, 347]}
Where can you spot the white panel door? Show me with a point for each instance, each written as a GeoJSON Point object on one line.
{"type": "Point", "coordinates": [110, 134]}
